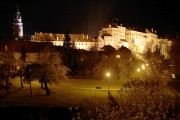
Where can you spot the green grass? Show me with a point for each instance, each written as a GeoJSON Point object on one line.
{"type": "Point", "coordinates": [71, 92]}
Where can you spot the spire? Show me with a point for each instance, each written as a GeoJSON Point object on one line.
{"type": "Point", "coordinates": [17, 6]}
{"type": "Point", "coordinates": [18, 14]}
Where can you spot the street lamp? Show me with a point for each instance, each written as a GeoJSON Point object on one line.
{"type": "Point", "coordinates": [138, 70]}
{"type": "Point", "coordinates": [108, 74]}
{"type": "Point", "coordinates": [143, 67]}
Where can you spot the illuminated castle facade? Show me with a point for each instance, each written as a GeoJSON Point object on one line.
{"type": "Point", "coordinates": [17, 25]}
{"type": "Point", "coordinates": [114, 35]}
{"type": "Point", "coordinates": [111, 34]}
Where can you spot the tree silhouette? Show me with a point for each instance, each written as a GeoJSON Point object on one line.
{"type": "Point", "coordinates": [108, 50]}
{"type": "Point", "coordinates": [21, 68]}
{"type": "Point", "coordinates": [175, 57]}
{"type": "Point", "coordinates": [52, 70]}
{"type": "Point", "coordinates": [67, 41]}
{"type": "Point", "coordinates": [8, 66]}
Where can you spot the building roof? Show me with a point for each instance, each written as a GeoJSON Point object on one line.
{"type": "Point", "coordinates": [16, 46]}
{"type": "Point", "coordinates": [112, 23]}
{"type": "Point", "coordinates": [60, 37]}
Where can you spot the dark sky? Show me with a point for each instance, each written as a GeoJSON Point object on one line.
{"type": "Point", "coordinates": [88, 16]}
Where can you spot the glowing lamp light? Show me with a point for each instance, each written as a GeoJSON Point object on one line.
{"type": "Point", "coordinates": [117, 56]}
{"type": "Point", "coordinates": [107, 74]}
{"type": "Point", "coordinates": [143, 67]}
{"type": "Point", "coordinates": [138, 70]}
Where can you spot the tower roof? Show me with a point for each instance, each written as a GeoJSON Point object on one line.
{"type": "Point", "coordinates": [113, 23]}
{"type": "Point", "coordinates": [17, 7]}
{"type": "Point", "coordinates": [18, 14]}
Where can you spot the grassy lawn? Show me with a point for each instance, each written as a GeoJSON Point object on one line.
{"type": "Point", "coordinates": [71, 92]}
{"type": "Point", "coordinates": [81, 94]}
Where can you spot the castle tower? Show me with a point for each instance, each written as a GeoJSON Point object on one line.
{"type": "Point", "coordinates": [17, 25]}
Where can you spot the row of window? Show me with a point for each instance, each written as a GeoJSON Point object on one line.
{"type": "Point", "coordinates": [116, 30]}
{"type": "Point", "coordinates": [91, 44]}
{"type": "Point", "coordinates": [60, 44]}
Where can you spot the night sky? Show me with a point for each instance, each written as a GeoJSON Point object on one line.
{"type": "Point", "coordinates": [88, 16]}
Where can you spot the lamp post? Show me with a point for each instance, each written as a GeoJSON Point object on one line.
{"type": "Point", "coordinates": [108, 74]}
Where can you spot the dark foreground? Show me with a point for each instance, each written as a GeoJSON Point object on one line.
{"type": "Point", "coordinates": [38, 113]}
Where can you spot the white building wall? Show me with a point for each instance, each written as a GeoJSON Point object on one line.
{"type": "Point", "coordinates": [117, 33]}
{"type": "Point", "coordinates": [139, 41]}
{"type": "Point", "coordinates": [134, 40]}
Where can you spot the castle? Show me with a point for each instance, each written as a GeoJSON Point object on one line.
{"type": "Point", "coordinates": [111, 34]}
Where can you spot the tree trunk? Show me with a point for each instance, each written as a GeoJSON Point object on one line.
{"type": "Point", "coordinates": [21, 77]}
{"type": "Point", "coordinates": [153, 71]}
{"type": "Point", "coordinates": [30, 87]}
{"type": "Point", "coordinates": [119, 75]}
{"type": "Point", "coordinates": [42, 85]}
{"type": "Point", "coordinates": [46, 88]}
{"type": "Point", "coordinates": [7, 85]}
